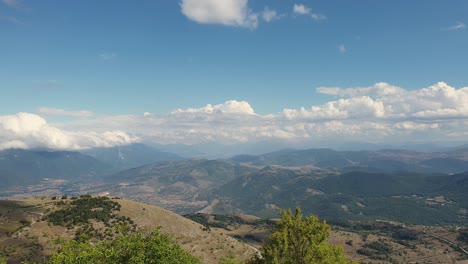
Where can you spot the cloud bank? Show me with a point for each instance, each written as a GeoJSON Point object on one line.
{"type": "Point", "coordinates": [25, 130]}
{"type": "Point", "coordinates": [378, 113]}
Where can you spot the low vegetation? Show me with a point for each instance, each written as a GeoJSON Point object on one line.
{"type": "Point", "coordinates": [137, 248]}
{"type": "Point", "coordinates": [107, 230]}
{"type": "Point", "coordinates": [299, 240]}
{"type": "Point", "coordinates": [82, 212]}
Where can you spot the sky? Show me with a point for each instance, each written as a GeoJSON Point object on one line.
{"type": "Point", "coordinates": [83, 74]}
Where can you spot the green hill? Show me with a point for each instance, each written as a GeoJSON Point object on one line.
{"type": "Point", "coordinates": [180, 186]}
{"type": "Point", "coordinates": [409, 198]}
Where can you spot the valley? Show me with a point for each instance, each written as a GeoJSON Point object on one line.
{"type": "Point", "coordinates": [368, 203]}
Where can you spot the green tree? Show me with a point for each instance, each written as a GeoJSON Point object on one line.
{"type": "Point", "coordinates": [300, 240]}
{"type": "Point", "coordinates": [136, 248]}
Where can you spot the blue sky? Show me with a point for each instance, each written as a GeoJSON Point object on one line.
{"type": "Point", "coordinates": [88, 60]}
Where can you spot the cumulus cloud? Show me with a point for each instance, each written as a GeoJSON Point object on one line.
{"type": "Point", "coordinates": [375, 113]}
{"type": "Point", "coordinates": [437, 101]}
{"type": "Point", "coordinates": [301, 9]}
{"type": "Point", "coordinates": [380, 112]}
{"type": "Point", "coordinates": [25, 130]}
{"type": "Point", "coordinates": [359, 107]}
{"type": "Point", "coordinates": [62, 112]}
{"type": "Point", "coordinates": [224, 12]}
{"type": "Point", "coordinates": [228, 107]}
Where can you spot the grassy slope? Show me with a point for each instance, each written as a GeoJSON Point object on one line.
{"type": "Point", "coordinates": [209, 246]}
{"type": "Point", "coordinates": [36, 240]}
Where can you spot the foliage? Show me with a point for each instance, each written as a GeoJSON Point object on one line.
{"type": "Point", "coordinates": [3, 260]}
{"type": "Point", "coordinates": [300, 240]}
{"type": "Point", "coordinates": [83, 209]}
{"type": "Point", "coordinates": [136, 248]}
{"type": "Point", "coordinates": [80, 211]}
{"type": "Point", "coordinates": [376, 250]}
{"type": "Point", "coordinates": [225, 221]}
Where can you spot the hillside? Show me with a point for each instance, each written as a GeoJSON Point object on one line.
{"type": "Point", "coordinates": [24, 167]}
{"type": "Point", "coordinates": [389, 161]}
{"type": "Point", "coordinates": [361, 185]}
{"type": "Point", "coordinates": [365, 242]}
{"type": "Point", "coordinates": [27, 232]}
{"type": "Point", "coordinates": [179, 186]}
{"type": "Point", "coordinates": [408, 198]}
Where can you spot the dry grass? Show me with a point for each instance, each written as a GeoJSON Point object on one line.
{"type": "Point", "coordinates": [208, 245]}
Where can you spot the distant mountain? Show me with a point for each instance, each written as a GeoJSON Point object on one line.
{"type": "Point", "coordinates": [260, 192]}
{"type": "Point", "coordinates": [180, 186]}
{"type": "Point", "coordinates": [131, 156]}
{"type": "Point", "coordinates": [409, 198]}
{"type": "Point", "coordinates": [390, 160]}
{"type": "Point", "coordinates": [24, 167]}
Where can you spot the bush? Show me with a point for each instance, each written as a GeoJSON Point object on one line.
{"type": "Point", "coordinates": [300, 240]}
{"type": "Point", "coordinates": [137, 248]}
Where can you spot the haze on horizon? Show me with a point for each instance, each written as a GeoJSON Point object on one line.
{"type": "Point", "coordinates": [85, 74]}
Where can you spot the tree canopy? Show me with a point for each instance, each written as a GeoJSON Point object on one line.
{"type": "Point", "coordinates": [300, 240]}
{"type": "Point", "coordinates": [136, 248]}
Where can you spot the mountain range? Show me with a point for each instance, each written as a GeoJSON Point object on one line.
{"type": "Point", "coordinates": [26, 167]}
{"type": "Point", "coordinates": [356, 185]}
{"type": "Point", "coordinates": [130, 156]}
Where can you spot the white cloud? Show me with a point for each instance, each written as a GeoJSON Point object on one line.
{"type": "Point", "coordinates": [354, 108]}
{"type": "Point", "coordinates": [304, 10]}
{"type": "Point", "coordinates": [437, 101]}
{"type": "Point", "coordinates": [224, 12]}
{"type": "Point", "coordinates": [375, 113]}
{"type": "Point", "coordinates": [378, 89]}
{"type": "Point", "coordinates": [341, 48]}
{"type": "Point", "coordinates": [229, 107]}
{"type": "Point", "coordinates": [269, 14]}
{"type": "Point", "coordinates": [301, 9]}
{"type": "Point", "coordinates": [457, 26]}
{"type": "Point", "coordinates": [62, 112]}
{"type": "Point", "coordinates": [25, 130]}
{"type": "Point", "coordinates": [107, 56]}
{"type": "Point", "coordinates": [380, 112]}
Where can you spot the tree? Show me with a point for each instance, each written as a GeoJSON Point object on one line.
{"type": "Point", "coordinates": [300, 240]}
{"type": "Point", "coordinates": [136, 248]}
